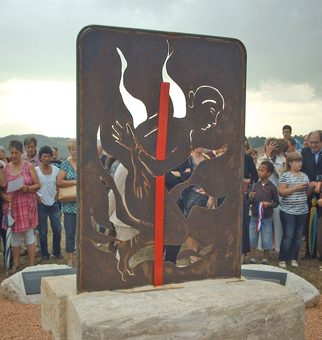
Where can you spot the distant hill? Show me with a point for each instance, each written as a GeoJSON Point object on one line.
{"type": "Point", "coordinates": [256, 142]}
{"type": "Point", "coordinates": [59, 142]}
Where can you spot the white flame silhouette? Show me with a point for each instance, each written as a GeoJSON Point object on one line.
{"type": "Point", "coordinates": [176, 94]}
{"type": "Point", "coordinates": [137, 108]}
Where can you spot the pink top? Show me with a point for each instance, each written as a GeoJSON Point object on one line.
{"type": "Point", "coordinates": [24, 205]}
{"type": "Point", "coordinates": [35, 161]}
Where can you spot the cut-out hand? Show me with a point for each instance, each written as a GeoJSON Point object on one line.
{"type": "Point", "coordinates": [124, 136]}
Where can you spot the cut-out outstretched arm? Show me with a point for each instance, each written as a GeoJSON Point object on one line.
{"type": "Point", "coordinates": [125, 137]}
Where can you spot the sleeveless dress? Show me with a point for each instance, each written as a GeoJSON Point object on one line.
{"type": "Point", "coordinates": [24, 205]}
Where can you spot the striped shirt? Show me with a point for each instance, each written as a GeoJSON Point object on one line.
{"type": "Point", "coordinates": [296, 203]}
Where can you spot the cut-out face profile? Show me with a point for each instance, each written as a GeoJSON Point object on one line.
{"type": "Point", "coordinates": [208, 102]}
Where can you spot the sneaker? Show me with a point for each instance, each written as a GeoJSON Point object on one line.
{"type": "Point", "coordinates": [294, 263]}
{"type": "Point", "coordinates": [282, 264]}
{"type": "Point", "coordinates": [252, 262]}
{"type": "Point", "coordinates": [265, 262]}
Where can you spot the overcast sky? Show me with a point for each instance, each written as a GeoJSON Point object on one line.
{"type": "Point", "coordinates": [38, 56]}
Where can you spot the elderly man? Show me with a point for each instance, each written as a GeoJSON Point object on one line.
{"type": "Point", "coordinates": [287, 132]}
{"type": "Point", "coordinates": [312, 166]}
{"type": "Point", "coordinates": [31, 154]}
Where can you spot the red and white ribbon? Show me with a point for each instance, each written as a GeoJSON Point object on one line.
{"type": "Point", "coordinates": [260, 217]}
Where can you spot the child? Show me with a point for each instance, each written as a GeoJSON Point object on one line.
{"type": "Point", "coordinates": [263, 199]}
{"type": "Point", "coordinates": [293, 189]}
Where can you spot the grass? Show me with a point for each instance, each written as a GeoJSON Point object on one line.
{"type": "Point", "coordinates": [308, 269]}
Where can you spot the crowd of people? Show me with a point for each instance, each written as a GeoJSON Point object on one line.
{"type": "Point", "coordinates": [41, 175]}
{"type": "Point", "coordinates": [281, 201]}
{"type": "Point", "coordinates": [280, 187]}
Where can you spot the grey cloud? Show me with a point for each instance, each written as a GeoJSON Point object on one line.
{"type": "Point", "coordinates": [282, 37]}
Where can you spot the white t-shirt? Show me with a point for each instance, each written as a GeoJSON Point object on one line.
{"type": "Point", "coordinates": [48, 189]}
{"type": "Point", "coordinates": [296, 203]}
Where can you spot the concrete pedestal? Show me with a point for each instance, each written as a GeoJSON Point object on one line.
{"type": "Point", "coordinates": [210, 309]}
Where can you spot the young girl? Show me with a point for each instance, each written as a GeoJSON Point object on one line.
{"type": "Point", "coordinates": [293, 189]}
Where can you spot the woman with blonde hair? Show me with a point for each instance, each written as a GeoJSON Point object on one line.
{"type": "Point", "coordinates": [66, 178]}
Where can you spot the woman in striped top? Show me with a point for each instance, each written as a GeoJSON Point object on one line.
{"type": "Point", "coordinates": [293, 188]}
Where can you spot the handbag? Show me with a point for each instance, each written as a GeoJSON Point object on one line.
{"type": "Point", "coordinates": [67, 194]}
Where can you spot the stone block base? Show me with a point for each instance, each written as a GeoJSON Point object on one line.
{"type": "Point", "coordinates": [210, 309]}
{"type": "Point", "coordinates": [54, 293]}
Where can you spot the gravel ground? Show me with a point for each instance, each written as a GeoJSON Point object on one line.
{"type": "Point", "coordinates": [313, 323]}
{"type": "Point", "coordinates": [20, 321]}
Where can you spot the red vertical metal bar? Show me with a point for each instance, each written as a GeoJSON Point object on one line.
{"type": "Point", "coordinates": [159, 184]}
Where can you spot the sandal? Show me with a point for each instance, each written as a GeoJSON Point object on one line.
{"type": "Point", "coordinates": [14, 270]}
{"type": "Point", "coordinates": [70, 263]}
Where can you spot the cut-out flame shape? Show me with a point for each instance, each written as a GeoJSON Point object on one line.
{"type": "Point", "coordinates": [137, 108]}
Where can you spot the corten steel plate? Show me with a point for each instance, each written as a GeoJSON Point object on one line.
{"type": "Point", "coordinates": [119, 77]}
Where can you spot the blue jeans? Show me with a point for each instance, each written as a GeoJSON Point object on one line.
{"type": "Point", "coordinates": [292, 235]}
{"type": "Point", "coordinates": [266, 233]}
{"type": "Point", "coordinates": [54, 215]}
{"type": "Point", "coordinates": [70, 229]}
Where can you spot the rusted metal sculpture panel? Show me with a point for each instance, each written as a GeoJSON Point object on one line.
{"type": "Point", "coordinates": [120, 72]}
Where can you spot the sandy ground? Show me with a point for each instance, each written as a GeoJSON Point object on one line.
{"type": "Point", "coordinates": [19, 321]}
{"type": "Point", "coordinates": [313, 323]}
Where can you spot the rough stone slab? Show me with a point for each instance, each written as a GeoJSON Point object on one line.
{"type": "Point", "coordinates": [56, 290]}
{"type": "Point", "coordinates": [13, 287]}
{"type": "Point", "coordinates": [200, 310]}
{"type": "Point", "coordinates": [309, 294]}
{"type": "Point", "coordinates": [54, 293]}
